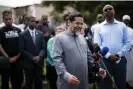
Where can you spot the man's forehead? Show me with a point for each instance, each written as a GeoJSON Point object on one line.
{"type": "Point", "coordinates": [32, 19]}
{"type": "Point", "coordinates": [7, 16]}
{"type": "Point", "coordinates": [79, 19]}
{"type": "Point", "coordinates": [107, 6]}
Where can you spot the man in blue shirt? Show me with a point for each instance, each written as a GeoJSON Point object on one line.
{"type": "Point", "coordinates": [113, 34]}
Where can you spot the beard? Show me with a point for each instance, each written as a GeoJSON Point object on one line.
{"type": "Point", "coordinates": [76, 31]}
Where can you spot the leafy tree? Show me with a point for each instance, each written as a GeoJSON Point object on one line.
{"type": "Point", "coordinates": [90, 9]}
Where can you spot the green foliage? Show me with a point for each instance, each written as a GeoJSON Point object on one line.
{"type": "Point", "coordinates": [90, 9]}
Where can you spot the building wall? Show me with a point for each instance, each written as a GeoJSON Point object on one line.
{"type": "Point", "coordinates": [1, 17]}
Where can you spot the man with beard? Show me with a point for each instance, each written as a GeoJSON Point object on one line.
{"type": "Point", "coordinates": [114, 35]}
{"type": "Point", "coordinates": [70, 55]}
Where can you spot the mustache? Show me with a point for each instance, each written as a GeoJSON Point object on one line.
{"type": "Point", "coordinates": [77, 29]}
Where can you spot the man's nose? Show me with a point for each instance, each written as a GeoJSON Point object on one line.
{"type": "Point", "coordinates": [80, 25]}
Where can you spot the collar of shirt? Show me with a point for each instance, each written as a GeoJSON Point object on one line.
{"type": "Point", "coordinates": [72, 34]}
{"type": "Point", "coordinates": [31, 31]}
{"type": "Point", "coordinates": [115, 22]}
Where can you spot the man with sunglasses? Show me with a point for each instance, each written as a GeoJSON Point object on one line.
{"type": "Point", "coordinates": [113, 34]}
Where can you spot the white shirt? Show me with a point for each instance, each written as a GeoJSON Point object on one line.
{"type": "Point", "coordinates": [114, 36]}
{"type": "Point", "coordinates": [130, 31]}
{"type": "Point", "coordinates": [94, 27]}
{"type": "Point", "coordinates": [21, 26]}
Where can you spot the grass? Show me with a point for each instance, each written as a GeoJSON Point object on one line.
{"type": "Point", "coordinates": [46, 85]}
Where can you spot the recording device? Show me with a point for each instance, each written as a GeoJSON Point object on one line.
{"type": "Point", "coordinates": [102, 53]}
{"type": "Point", "coordinates": [94, 64]}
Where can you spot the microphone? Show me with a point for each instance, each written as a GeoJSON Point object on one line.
{"type": "Point", "coordinates": [96, 48]}
{"type": "Point", "coordinates": [104, 51]}
{"type": "Point", "coordinates": [101, 53]}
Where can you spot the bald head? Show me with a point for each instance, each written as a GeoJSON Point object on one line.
{"type": "Point", "coordinates": [109, 13]}
{"type": "Point", "coordinates": [100, 18]}
{"type": "Point", "coordinates": [107, 6]}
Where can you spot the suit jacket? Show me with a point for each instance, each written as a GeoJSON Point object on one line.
{"type": "Point", "coordinates": [29, 49]}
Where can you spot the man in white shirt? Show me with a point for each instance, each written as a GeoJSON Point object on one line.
{"type": "Point", "coordinates": [24, 25]}
{"type": "Point", "coordinates": [99, 19]}
{"type": "Point", "coordinates": [126, 19]}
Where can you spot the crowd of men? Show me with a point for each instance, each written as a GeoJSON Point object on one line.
{"type": "Point", "coordinates": [67, 50]}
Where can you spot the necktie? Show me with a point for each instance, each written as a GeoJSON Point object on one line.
{"type": "Point", "coordinates": [33, 36]}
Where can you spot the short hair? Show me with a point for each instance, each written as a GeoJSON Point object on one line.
{"type": "Point", "coordinates": [65, 16]}
{"type": "Point", "coordinates": [24, 16]}
{"type": "Point", "coordinates": [30, 17]}
{"type": "Point", "coordinates": [73, 15]}
{"type": "Point", "coordinates": [6, 13]}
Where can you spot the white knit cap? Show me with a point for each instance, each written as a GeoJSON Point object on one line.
{"type": "Point", "coordinates": [126, 17]}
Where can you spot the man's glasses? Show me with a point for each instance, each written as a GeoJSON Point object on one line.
{"type": "Point", "coordinates": [108, 9]}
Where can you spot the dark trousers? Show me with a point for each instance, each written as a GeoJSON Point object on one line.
{"type": "Point", "coordinates": [33, 77]}
{"type": "Point", "coordinates": [118, 71]}
{"type": "Point", "coordinates": [16, 77]}
{"type": "Point", "coordinates": [14, 74]}
{"type": "Point", "coordinates": [52, 76]}
{"type": "Point", "coordinates": [5, 74]}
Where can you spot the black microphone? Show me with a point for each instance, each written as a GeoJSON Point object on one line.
{"type": "Point", "coordinates": [100, 53]}
{"type": "Point", "coordinates": [96, 48]}
{"type": "Point", "coordinates": [103, 51]}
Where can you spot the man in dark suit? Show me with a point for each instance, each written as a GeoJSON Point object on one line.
{"type": "Point", "coordinates": [33, 48]}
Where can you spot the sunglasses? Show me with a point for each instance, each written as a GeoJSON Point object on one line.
{"type": "Point", "coordinates": [108, 9]}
